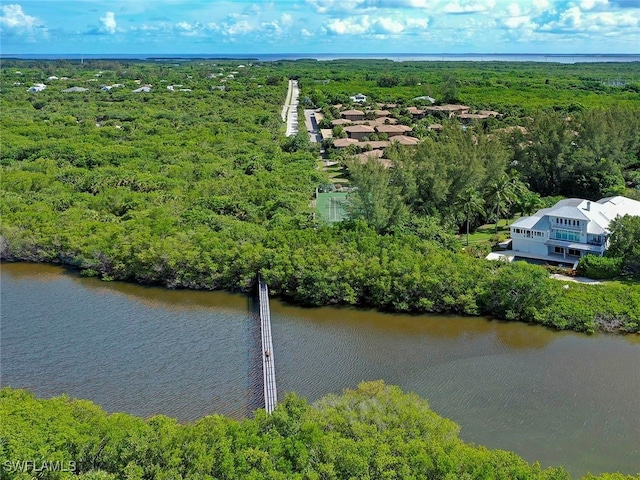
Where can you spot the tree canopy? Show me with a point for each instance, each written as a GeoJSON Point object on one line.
{"type": "Point", "coordinates": [374, 431]}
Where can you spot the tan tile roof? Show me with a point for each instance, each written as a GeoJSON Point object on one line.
{"type": "Point", "coordinates": [404, 140]}
{"type": "Point", "coordinates": [359, 129]}
{"type": "Point", "coordinates": [370, 154]}
{"type": "Point", "coordinates": [393, 128]}
{"type": "Point", "coordinates": [344, 142]}
{"type": "Point", "coordinates": [415, 111]}
{"type": "Point", "coordinates": [377, 144]}
{"type": "Point", "coordinates": [352, 112]}
{"type": "Point", "coordinates": [447, 108]}
{"type": "Point", "coordinates": [326, 133]}
{"type": "Point", "coordinates": [472, 116]}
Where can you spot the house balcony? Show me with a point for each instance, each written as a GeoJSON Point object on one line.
{"type": "Point", "coordinates": [585, 247]}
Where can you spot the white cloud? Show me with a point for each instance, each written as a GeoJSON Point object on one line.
{"type": "Point", "coordinates": [594, 4]}
{"type": "Point", "coordinates": [519, 22]}
{"type": "Point", "coordinates": [514, 10]}
{"type": "Point", "coordinates": [467, 6]}
{"type": "Point", "coordinates": [349, 26]}
{"type": "Point", "coordinates": [109, 24]}
{"type": "Point", "coordinates": [325, 6]}
{"type": "Point", "coordinates": [540, 5]}
{"type": "Point", "coordinates": [417, 23]}
{"type": "Point", "coordinates": [389, 25]}
{"type": "Point", "coordinates": [365, 24]}
{"type": "Point", "coordinates": [286, 19]}
{"type": "Point", "coordinates": [241, 27]}
{"type": "Point", "coordinates": [15, 21]}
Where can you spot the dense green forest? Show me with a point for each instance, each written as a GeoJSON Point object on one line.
{"type": "Point", "coordinates": [196, 186]}
{"type": "Point", "coordinates": [373, 432]}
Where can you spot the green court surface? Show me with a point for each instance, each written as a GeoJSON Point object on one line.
{"type": "Point", "coordinates": [330, 206]}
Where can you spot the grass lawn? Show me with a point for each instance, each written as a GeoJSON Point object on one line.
{"type": "Point", "coordinates": [336, 174]}
{"type": "Point", "coordinates": [484, 234]}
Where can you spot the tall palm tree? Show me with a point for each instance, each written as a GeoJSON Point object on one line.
{"type": "Point", "coordinates": [471, 205]}
{"type": "Point", "coordinates": [503, 192]}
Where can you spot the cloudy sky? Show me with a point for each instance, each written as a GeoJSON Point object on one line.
{"type": "Point", "coordinates": [319, 26]}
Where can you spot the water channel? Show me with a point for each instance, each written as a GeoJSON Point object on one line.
{"type": "Point", "coordinates": [557, 398]}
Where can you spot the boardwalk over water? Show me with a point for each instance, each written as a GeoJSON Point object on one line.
{"type": "Point", "coordinates": [268, 365]}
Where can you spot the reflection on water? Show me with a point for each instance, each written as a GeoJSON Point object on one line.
{"type": "Point", "coordinates": [558, 398]}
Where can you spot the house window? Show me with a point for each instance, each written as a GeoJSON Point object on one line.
{"type": "Point", "coordinates": [559, 250]}
{"type": "Point", "coordinates": [574, 252]}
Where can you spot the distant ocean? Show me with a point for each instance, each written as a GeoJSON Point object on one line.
{"type": "Point", "coordinates": [397, 57]}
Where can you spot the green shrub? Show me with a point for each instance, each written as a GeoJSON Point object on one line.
{"type": "Point", "coordinates": [600, 268]}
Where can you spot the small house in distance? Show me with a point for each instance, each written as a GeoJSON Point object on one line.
{"type": "Point", "coordinates": [359, 98]}
{"type": "Point", "coordinates": [75, 89]}
{"type": "Point", "coordinates": [570, 229]}
{"type": "Point", "coordinates": [38, 87]}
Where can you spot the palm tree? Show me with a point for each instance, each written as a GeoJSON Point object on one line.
{"type": "Point", "coordinates": [503, 192]}
{"type": "Point", "coordinates": [529, 203]}
{"type": "Point", "coordinates": [471, 205]}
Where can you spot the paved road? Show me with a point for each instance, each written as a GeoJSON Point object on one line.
{"type": "Point", "coordinates": [312, 125]}
{"type": "Point", "coordinates": [291, 108]}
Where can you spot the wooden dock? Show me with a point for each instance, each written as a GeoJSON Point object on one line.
{"type": "Point", "coordinates": [268, 365]}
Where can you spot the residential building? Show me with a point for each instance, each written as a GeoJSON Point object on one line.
{"type": "Point", "coordinates": [571, 228]}
{"type": "Point", "coordinates": [353, 115]}
{"type": "Point", "coordinates": [359, 132]}
{"type": "Point", "coordinates": [393, 130]}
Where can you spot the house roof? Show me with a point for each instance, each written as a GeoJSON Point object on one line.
{"type": "Point", "coordinates": [620, 205]}
{"type": "Point", "coordinates": [371, 154]}
{"type": "Point", "coordinates": [344, 142]}
{"type": "Point", "coordinates": [473, 116]}
{"type": "Point", "coordinates": [491, 113]}
{"type": "Point", "coordinates": [415, 111]}
{"type": "Point", "coordinates": [75, 89]}
{"type": "Point", "coordinates": [340, 121]}
{"type": "Point", "coordinates": [359, 129]}
{"type": "Point", "coordinates": [404, 140]}
{"type": "Point", "coordinates": [448, 108]}
{"type": "Point", "coordinates": [326, 133]}
{"type": "Point", "coordinates": [598, 214]}
{"type": "Point", "coordinates": [352, 112]}
{"type": "Point", "coordinates": [393, 128]}
{"type": "Point", "coordinates": [377, 143]}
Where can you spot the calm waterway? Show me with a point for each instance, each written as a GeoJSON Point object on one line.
{"type": "Point", "coordinates": [557, 398]}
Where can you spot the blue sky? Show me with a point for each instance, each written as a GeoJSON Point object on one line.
{"type": "Point", "coordinates": [319, 26]}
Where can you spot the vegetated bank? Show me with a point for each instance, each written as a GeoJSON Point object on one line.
{"type": "Point", "coordinates": [374, 431]}
{"type": "Point", "coordinates": [195, 186]}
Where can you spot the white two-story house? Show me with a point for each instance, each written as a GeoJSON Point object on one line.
{"type": "Point", "coordinates": [571, 228]}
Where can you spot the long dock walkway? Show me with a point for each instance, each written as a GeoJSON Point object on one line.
{"type": "Point", "coordinates": [268, 365]}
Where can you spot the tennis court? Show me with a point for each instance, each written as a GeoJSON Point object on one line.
{"type": "Point", "coordinates": [330, 206]}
